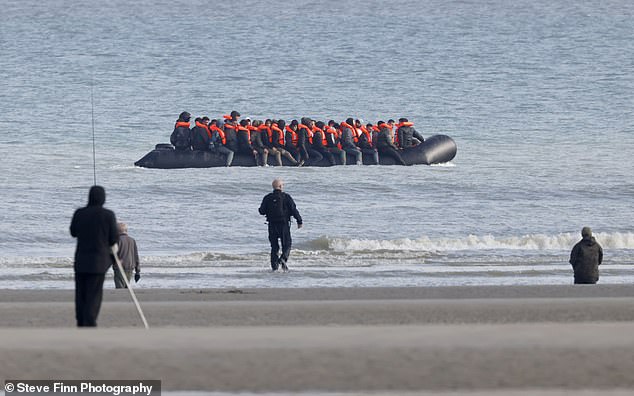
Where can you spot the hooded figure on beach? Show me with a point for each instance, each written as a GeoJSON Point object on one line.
{"type": "Point", "coordinates": [585, 258]}
{"type": "Point", "coordinates": [96, 231]}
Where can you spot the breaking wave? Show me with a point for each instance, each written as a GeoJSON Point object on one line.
{"type": "Point", "coordinates": [538, 242]}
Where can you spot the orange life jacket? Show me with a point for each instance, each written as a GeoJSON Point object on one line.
{"type": "Point", "coordinates": [368, 134]}
{"type": "Point", "coordinates": [227, 117]}
{"type": "Point", "coordinates": [332, 131]}
{"type": "Point", "coordinates": [402, 124]}
{"type": "Point", "coordinates": [181, 124]}
{"type": "Point", "coordinates": [398, 126]}
{"type": "Point", "coordinates": [221, 133]}
{"type": "Point", "coordinates": [267, 129]}
{"type": "Point", "coordinates": [294, 137]}
{"type": "Point", "coordinates": [203, 126]}
{"type": "Point", "coordinates": [355, 136]}
{"type": "Point", "coordinates": [241, 128]}
{"type": "Point", "coordinates": [280, 134]}
{"type": "Point", "coordinates": [385, 125]}
{"type": "Point", "coordinates": [324, 141]}
{"type": "Point", "coordinates": [309, 133]}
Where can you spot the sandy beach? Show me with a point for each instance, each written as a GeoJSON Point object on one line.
{"type": "Point", "coordinates": [457, 340]}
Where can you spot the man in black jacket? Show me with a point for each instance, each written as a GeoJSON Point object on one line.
{"type": "Point", "coordinates": [585, 258]}
{"type": "Point", "coordinates": [96, 231]}
{"type": "Point", "coordinates": [407, 135]}
{"type": "Point", "coordinates": [385, 143]}
{"type": "Point", "coordinates": [181, 136]}
{"type": "Point", "coordinates": [278, 208]}
{"type": "Point", "coordinates": [200, 135]}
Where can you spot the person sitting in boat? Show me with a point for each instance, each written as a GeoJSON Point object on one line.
{"type": "Point", "coordinates": [231, 133]}
{"type": "Point", "coordinates": [277, 141]}
{"type": "Point", "coordinates": [349, 140]}
{"type": "Point", "coordinates": [245, 144]}
{"type": "Point", "coordinates": [374, 132]}
{"type": "Point", "coordinates": [259, 140]}
{"type": "Point", "coordinates": [320, 143]}
{"type": "Point", "coordinates": [365, 143]}
{"type": "Point", "coordinates": [407, 135]}
{"type": "Point", "coordinates": [181, 136]}
{"type": "Point", "coordinates": [291, 139]}
{"type": "Point", "coordinates": [200, 134]}
{"type": "Point", "coordinates": [219, 141]}
{"type": "Point", "coordinates": [333, 141]}
{"type": "Point", "coordinates": [305, 141]}
{"type": "Point", "coordinates": [385, 145]}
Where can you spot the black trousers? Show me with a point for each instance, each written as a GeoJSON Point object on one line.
{"type": "Point", "coordinates": [88, 296]}
{"type": "Point", "coordinates": [279, 231]}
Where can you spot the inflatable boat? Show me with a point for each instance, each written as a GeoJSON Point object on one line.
{"type": "Point", "coordinates": [435, 150]}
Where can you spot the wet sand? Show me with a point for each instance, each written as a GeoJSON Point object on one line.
{"type": "Point", "coordinates": [536, 339]}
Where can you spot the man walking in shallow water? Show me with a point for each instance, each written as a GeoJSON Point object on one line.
{"type": "Point", "coordinates": [278, 207]}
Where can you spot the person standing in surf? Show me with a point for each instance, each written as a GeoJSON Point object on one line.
{"type": "Point", "coordinates": [95, 228]}
{"type": "Point", "coordinates": [278, 207]}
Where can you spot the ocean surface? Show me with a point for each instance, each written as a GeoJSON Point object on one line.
{"type": "Point", "coordinates": [537, 94]}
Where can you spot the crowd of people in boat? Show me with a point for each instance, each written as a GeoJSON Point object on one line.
{"type": "Point", "coordinates": [297, 141]}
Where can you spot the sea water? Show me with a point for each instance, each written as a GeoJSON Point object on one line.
{"type": "Point", "coordinates": [538, 96]}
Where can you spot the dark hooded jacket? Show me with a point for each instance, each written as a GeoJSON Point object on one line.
{"type": "Point", "coordinates": [406, 135]}
{"type": "Point", "coordinates": [585, 258]}
{"type": "Point", "coordinates": [96, 231]}
{"type": "Point", "coordinates": [200, 137]}
{"type": "Point", "coordinates": [232, 138]}
{"type": "Point", "coordinates": [181, 136]}
{"type": "Point", "coordinates": [384, 139]}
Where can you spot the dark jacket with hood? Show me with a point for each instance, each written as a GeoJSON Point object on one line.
{"type": "Point", "coordinates": [200, 137]}
{"type": "Point", "coordinates": [181, 136]}
{"type": "Point", "coordinates": [244, 141]}
{"type": "Point", "coordinates": [406, 135]}
{"type": "Point", "coordinates": [347, 138]}
{"type": "Point", "coordinates": [384, 139]}
{"type": "Point", "coordinates": [585, 258]}
{"type": "Point", "coordinates": [232, 138]}
{"type": "Point", "coordinates": [96, 231]}
{"type": "Point", "coordinates": [278, 207]}
{"type": "Point", "coordinates": [257, 141]}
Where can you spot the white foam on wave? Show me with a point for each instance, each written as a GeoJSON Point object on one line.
{"type": "Point", "coordinates": [536, 242]}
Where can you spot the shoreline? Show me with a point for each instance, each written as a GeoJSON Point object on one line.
{"type": "Point", "coordinates": [507, 340]}
{"type": "Point", "coordinates": [332, 293]}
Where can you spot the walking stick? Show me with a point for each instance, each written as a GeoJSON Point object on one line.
{"type": "Point", "coordinates": [115, 248]}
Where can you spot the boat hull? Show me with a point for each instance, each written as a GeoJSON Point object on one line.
{"type": "Point", "coordinates": [437, 149]}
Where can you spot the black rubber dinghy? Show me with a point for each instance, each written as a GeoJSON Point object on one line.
{"type": "Point", "coordinates": [437, 149]}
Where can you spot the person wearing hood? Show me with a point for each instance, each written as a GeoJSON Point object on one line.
{"type": "Point", "coordinates": [181, 136]}
{"type": "Point", "coordinates": [585, 258]}
{"type": "Point", "coordinates": [95, 228]}
{"type": "Point", "coordinates": [350, 139]}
